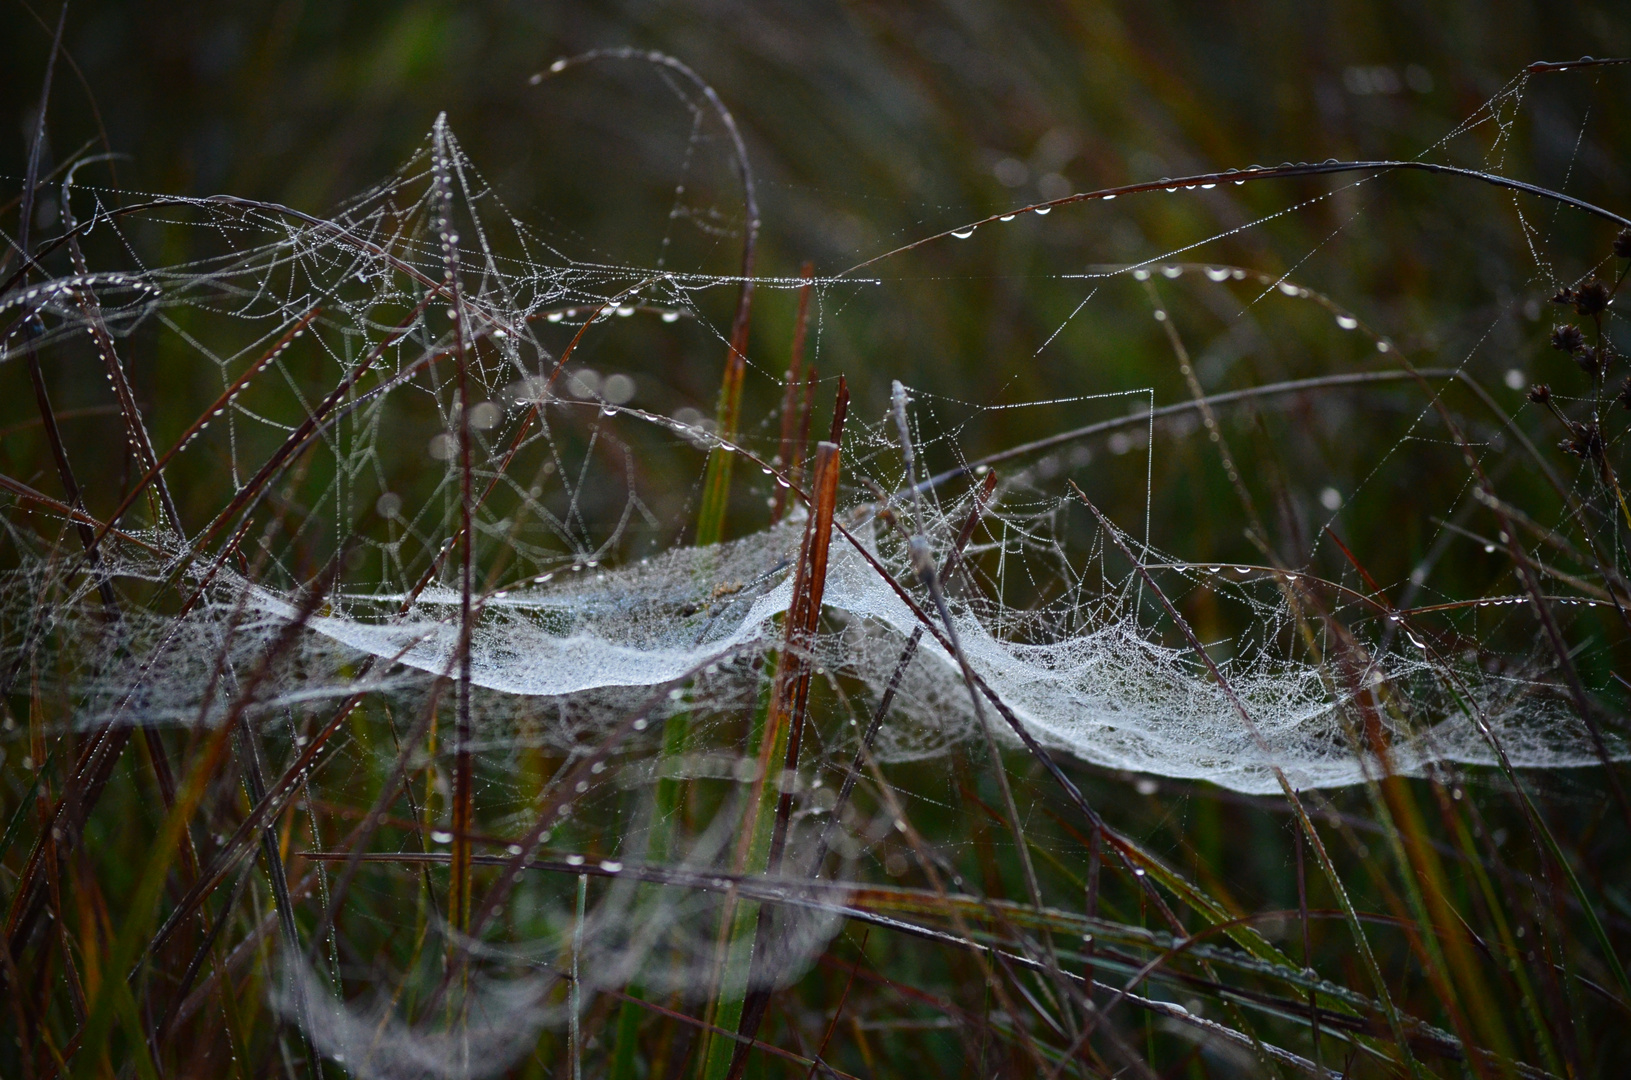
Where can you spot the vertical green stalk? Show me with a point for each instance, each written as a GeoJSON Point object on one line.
{"type": "Point", "coordinates": [741, 995]}
{"type": "Point", "coordinates": [740, 921]}
{"type": "Point", "coordinates": [628, 1034]}
{"type": "Point", "coordinates": [577, 981]}
{"type": "Point", "coordinates": [669, 795]}
{"type": "Point", "coordinates": [716, 485]}
{"type": "Point", "coordinates": [716, 482]}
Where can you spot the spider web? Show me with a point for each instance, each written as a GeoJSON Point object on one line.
{"type": "Point", "coordinates": [330, 347]}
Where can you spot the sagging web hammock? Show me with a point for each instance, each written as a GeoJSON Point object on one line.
{"type": "Point", "coordinates": [284, 306]}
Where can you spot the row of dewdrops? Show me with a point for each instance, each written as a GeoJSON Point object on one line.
{"type": "Point", "coordinates": [619, 388]}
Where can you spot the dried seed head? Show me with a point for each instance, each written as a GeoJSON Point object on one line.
{"type": "Point", "coordinates": [1591, 298]}
{"type": "Point", "coordinates": [1586, 442]}
{"type": "Point", "coordinates": [1540, 393]}
{"type": "Point", "coordinates": [1589, 360]}
{"type": "Point", "coordinates": [1568, 338]}
{"type": "Point", "coordinates": [1622, 244]}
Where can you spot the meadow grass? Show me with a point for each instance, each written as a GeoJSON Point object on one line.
{"type": "Point", "coordinates": [270, 807]}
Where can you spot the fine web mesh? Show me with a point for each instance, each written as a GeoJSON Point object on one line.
{"type": "Point", "coordinates": [566, 620]}
{"type": "Point", "coordinates": [1083, 675]}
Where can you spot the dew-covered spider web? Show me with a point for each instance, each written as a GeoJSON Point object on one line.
{"type": "Point", "coordinates": [320, 456]}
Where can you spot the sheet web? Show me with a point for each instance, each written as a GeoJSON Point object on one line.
{"type": "Point", "coordinates": [339, 338]}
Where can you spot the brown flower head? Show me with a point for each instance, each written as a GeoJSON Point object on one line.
{"type": "Point", "coordinates": [1591, 298]}
{"type": "Point", "coordinates": [1568, 338]}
